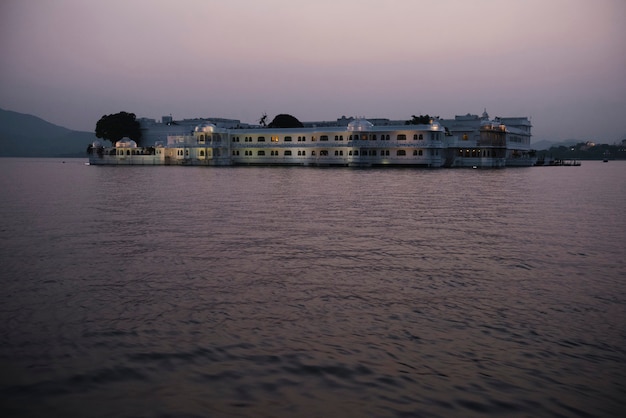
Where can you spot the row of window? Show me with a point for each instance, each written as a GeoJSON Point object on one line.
{"type": "Point", "coordinates": [203, 139]}
{"type": "Point", "coordinates": [185, 152]}
{"type": "Point", "coordinates": [478, 153]}
{"type": "Point", "coordinates": [201, 153]}
{"type": "Point", "coordinates": [324, 153]}
{"type": "Point", "coordinates": [383, 153]}
{"type": "Point", "coordinates": [372, 137]}
{"type": "Point", "coordinates": [273, 138]}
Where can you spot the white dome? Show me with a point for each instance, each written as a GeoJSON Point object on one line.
{"type": "Point", "coordinates": [125, 143]}
{"type": "Point", "coordinates": [97, 144]}
{"type": "Point", "coordinates": [205, 127]}
{"type": "Point", "coordinates": [360, 125]}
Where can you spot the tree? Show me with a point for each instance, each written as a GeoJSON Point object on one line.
{"type": "Point", "coordinates": [117, 126]}
{"type": "Point", "coordinates": [419, 120]}
{"type": "Point", "coordinates": [285, 121]}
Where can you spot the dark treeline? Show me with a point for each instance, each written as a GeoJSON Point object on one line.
{"type": "Point", "coordinates": [586, 151]}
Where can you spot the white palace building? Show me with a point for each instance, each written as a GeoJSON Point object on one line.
{"type": "Point", "coordinates": [465, 141]}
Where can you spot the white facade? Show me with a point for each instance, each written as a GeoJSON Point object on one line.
{"type": "Point", "coordinates": [466, 141]}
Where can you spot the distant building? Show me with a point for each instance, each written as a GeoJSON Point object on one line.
{"type": "Point", "coordinates": [154, 132]}
{"type": "Point", "coordinates": [475, 132]}
{"type": "Point", "coordinates": [465, 141]}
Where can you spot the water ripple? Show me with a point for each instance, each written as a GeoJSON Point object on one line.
{"type": "Point", "coordinates": [188, 292]}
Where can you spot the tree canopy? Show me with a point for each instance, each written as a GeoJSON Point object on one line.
{"type": "Point", "coordinates": [419, 120]}
{"type": "Point", "coordinates": [285, 121]}
{"type": "Point", "coordinates": [117, 126]}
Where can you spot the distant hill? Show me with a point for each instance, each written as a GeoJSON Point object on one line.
{"type": "Point", "coordinates": [23, 135]}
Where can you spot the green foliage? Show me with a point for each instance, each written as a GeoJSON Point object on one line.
{"type": "Point", "coordinates": [285, 121]}
{"type": "Point", "coordinates": [117, 126]}
{"type": "Point", "coordinates": [419, 120]}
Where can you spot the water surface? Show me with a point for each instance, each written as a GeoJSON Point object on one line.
{"type": "Point", "coordinates": [277, 291]}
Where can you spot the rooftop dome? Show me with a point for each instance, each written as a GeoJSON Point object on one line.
{"type": "Point", "coordinates": [205, 127]}
{"type": "Point", "coordinates": [97, 144]}
{"type": "Point", "coordinates": [360, 124]}
{"type": "Point", "coordinates": [125, 143]}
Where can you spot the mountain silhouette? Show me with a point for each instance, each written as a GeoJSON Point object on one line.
{"type": "Point", "coordinates": [23, 135]}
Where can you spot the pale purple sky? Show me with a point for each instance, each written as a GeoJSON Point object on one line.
{"type": "Point", "coordinates": [560, 62]}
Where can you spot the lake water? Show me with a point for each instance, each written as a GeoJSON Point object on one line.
{"type": "Point", "coordinates": [312, 292]}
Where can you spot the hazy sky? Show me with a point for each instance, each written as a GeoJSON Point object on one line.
{"type": "Point", "coordinates": [560, 62]}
